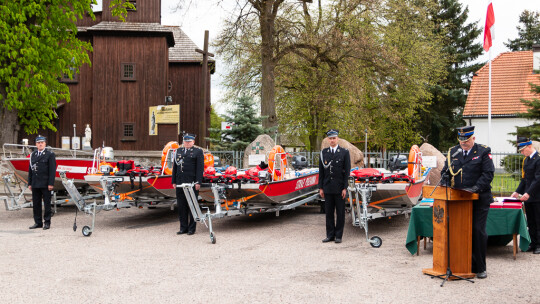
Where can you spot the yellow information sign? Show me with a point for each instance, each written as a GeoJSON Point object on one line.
{"type": "Point", "coordinates": [163, 115]}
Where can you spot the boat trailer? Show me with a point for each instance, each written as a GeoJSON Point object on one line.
{"type": "Point", "coordinates": [359, 199]}
{"type": "Point", "coordinates": [236, 209]}
{"type": "Point", "coordinates": [107, 201]}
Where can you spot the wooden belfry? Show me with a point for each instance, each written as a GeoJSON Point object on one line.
{"type": "Point", "coordinates": [452, 233]}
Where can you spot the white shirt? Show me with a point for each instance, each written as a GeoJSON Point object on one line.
{"type": "Point", "coordinates": [532, 154]}
{"type": "Point", "coordinates": [333, 150]}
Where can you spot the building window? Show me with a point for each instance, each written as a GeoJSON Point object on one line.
{"type": "Point", "coordinates": [128, 131]}
{"type": "Point", "coordinates": [134, 2]}
{"type": "Point", "coordinates": [128, 72]}
{"type": "Point", "coordinates": [74, 76]}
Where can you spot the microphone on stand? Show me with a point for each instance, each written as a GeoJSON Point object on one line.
{"type": "Point", "coordinates": [457, 152]}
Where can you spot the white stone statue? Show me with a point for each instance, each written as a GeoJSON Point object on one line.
{"type": "Point", "coordinates": [87, 138]}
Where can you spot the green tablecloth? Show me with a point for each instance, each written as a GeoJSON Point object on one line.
{"type": "Point", "coordinates": [500, 222]}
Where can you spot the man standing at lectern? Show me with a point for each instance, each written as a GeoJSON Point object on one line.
{"type": "Point", "coordinates": [529, 188]}
{"type": "Point", "coordinates": [469, 167]}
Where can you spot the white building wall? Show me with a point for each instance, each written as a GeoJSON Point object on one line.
{"type": "Point", "coordinates": [500, 129]}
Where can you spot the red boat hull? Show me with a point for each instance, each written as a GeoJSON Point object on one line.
{"type": "Point", "coordinates": [271, 193]}
{"type": "Point", "coordinates": [75, 168]}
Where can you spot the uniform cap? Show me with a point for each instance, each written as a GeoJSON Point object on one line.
{"type": "Point", "coordinates": [332, 133]}
{"type": "Point", "coordinates": [523, 142]}
{"type": "Point", "coordinates": [40, 138]}
{"type": "Point", "coordinates": [189, 137]}
{"type": "Point", "coordinates": [464, 133]}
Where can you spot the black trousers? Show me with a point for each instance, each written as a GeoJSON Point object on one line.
{"type": "Point", "coordinates": [187, 222]}
{"type": "Point", "coordinates": [532, 210]}
{"type": "Point", "coordinates": [39, 194]}
{"type": "Point", "coordinates": [334, 225]}
{"type": "Point", "coordinates": [479, 233]}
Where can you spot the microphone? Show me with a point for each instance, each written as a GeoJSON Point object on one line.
{"type": "Point", "coordinates": [457, 152]}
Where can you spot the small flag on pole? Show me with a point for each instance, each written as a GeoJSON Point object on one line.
{"type": "Point", "coordinates": [489, 30]}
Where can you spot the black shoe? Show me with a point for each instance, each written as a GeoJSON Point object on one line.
{"type": "Point", "coordinates": [181, 232]}
{"type": "Point", "coordinates": [328, 239]}
{"type": "Point", "coordinates": [536, 250]}
{"type": "Point", "coordinates": [338, 240]}
{"type": "Point", "coordinates": [191, 233]}
{"type": "Point", "coordinates": [35, 226]}
{"type": "Point", "coordinates": [481, 275]}
{"type": "Point", "coordinates": [47, 226]}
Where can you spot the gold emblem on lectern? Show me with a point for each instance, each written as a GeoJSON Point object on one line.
{"type": "Point", "coordinates": [438, 214]}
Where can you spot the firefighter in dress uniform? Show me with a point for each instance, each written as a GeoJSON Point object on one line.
{"type": "Point", "coordinates": [469, 167]}
{"type": "Point", "coordinates": [41, 182]}
{"type": "Point", "coordinates": [188, 167]}
{"type": "Point", "coordinates": [529, 188]}
{"type": "Point", "coordinates": [334, 170]}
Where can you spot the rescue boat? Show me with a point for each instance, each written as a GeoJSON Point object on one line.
{"type": "Point", "coordinates": [269, 183]}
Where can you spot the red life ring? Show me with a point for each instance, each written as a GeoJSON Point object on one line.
{"type": "Point", "coordinates": [167, 163]}
{"type": "Point", "coordinates": [277, 154]}
{"type": "Point", "coordinates": [414, 166]}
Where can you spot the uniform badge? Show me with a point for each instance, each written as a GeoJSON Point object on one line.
{"type": "Point", "coordinates": [326, 162]}
{"type": "Point", "coordinates": [475, 157]}
{"type": "Point", "coordinates": [490, 157]}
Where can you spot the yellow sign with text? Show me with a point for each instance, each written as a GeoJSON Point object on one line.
{"type": "Point", "coordinates": [163, 115]}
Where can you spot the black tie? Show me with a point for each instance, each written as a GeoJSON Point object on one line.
{"type": "Point", "coordinates": [465, 153]}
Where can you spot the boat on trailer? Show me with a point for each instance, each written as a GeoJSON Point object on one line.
{"type": "Point", "coordinates": [375, 193]}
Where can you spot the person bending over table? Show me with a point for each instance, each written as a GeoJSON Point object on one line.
{"type": "Point", "coordinates": [529, 188]}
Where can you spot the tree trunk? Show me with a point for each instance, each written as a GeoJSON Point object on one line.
{"type": "Point", "coordinates": [268, 104]}
{"type": "Point", "coordinates": [8, 125]}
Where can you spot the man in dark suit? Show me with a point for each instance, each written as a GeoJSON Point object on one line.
{"type": "Point", "coordinates": [334, 170]}
{"type": "Point", "coordinates": [41, 182]}
{"type": "Point", "coordinates": [470, 167]}
{"type": "Point", "coordinates": [529, 188]}
{"type": "Point", "coordinates": [188, 167]}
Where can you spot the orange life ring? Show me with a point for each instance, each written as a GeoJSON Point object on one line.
{"type": "Point", "coordinates": [414, 166]}
{"type": "Point", "coordinates": [208, 160]}
{"type": "Point", "coordinates": [167, 163]}
{"type": "Point", "coordinates": [280, 169]}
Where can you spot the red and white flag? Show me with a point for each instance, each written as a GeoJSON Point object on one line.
{"type": "Point", "coordinates": [489, 30]}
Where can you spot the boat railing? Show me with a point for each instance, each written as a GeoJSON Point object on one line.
{"type": "Point", "coordinates": [19, 150]}
{"type": "Point", "coordinates": [167, 160]}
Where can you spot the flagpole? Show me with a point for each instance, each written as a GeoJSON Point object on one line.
{"type": "Point", "coordinates": [489, 102]}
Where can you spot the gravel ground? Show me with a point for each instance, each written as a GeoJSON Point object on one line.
{"type": "Point", "coordinates": [134, 256]}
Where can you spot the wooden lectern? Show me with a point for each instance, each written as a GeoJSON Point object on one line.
{"type": "Point", "coordinates": [452, 231]}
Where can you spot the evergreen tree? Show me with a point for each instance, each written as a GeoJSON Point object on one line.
{"type": "Point", "coordinates": [215, 127]}
{"type": "Point", "coordinates": [529, 34]}
{"type": "Point", "coordinates": [438, 121]}
{"type": "Point", "coordinates": [533, 113]}
{"type": "Point", "coordinates": [246, 126]}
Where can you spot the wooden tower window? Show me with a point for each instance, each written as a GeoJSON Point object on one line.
{"type": "Point", "coordinates": [128, 132]}
{"type": "Point", "coordinates": [128, 72]}
{"type": "Point", "coordinates": [134, 2]}
{"type": "Point", "coordinates": [75, 76]}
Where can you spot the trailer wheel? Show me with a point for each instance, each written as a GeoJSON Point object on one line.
{"type": "Point", "coordinates": [86, 231]}
{"type": "Point", "coordinates": [212, 238]}
{"type": "Point", "coordinates": [376, 242]}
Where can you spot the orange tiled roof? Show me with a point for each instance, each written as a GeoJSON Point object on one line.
{"type": "Point", "coordinates": [510, 76]}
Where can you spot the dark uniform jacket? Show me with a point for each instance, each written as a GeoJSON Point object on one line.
{"type": "Point", "coordinates": [477, 169]}
{"type": "Point", "coordinates": [42, 169]}
{"type": "Point", "coordinates": [531, 182]}
{"type": "Point", "coordinates": [334, 170]}
{"type": "Point", "coordinates": [188, 166]}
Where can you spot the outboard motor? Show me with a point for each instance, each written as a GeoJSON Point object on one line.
{"type": "Point", "coordinates": [299, 162]}
{"type": "Point", "coordinates": [398, 162]}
